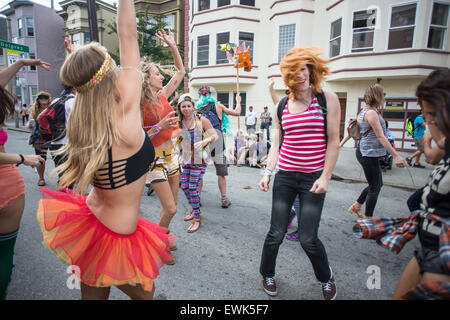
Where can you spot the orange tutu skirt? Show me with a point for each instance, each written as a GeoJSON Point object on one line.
{"type": "Point", "coordinates": [11, 184]}
{"type": "Point", "coordinates": [105, 258]}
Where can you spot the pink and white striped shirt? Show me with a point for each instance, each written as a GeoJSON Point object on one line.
{"type": "Point", "coordinates": [304, 144]}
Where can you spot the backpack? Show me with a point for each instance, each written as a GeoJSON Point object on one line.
{"type": "Point", "coordinates": [52, 121]}
{"type": "Point", "coordinates": [209, 112]}
{"type": "Point", "coordinates": [409, 125]}
{"type": "Point", "coordinates": [354, 130]}
{"type": "Point", "coordinates": [320, 99]}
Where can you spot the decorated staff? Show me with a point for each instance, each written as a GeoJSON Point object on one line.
{"type": "Point", "coordinates": [240, 57]}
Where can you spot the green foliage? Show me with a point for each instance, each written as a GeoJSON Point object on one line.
{"type": "Point", "coordinates": [149, 45]}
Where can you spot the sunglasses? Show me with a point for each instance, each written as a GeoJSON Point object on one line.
{"type": "Point", "coordinates": [43, 97]}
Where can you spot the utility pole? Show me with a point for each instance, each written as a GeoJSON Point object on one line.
{"type": "Point", "coordinates": [92, 17]}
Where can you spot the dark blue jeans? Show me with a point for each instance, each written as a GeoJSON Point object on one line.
{"type": "Point", "coordinates": [266, 126]}
{"type": "Point", "coordinates": [374, 177]}
{"type": "Point", "coordinates": [287, 185]}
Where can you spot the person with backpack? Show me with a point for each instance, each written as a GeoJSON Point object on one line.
{"type": "Point", "coordinates": [372, 145]}
{"type": "Point", "coordinates": [305, 150]}
{"type": "Point", "coordinates": [419, 127]}
{"type": "Point", "coordinates": [43, 100]}
{"type": "Point", "coordinates": [217, 113]}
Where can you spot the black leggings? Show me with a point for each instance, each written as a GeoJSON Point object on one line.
{"type": "Point", "coordinates": [372, 172]}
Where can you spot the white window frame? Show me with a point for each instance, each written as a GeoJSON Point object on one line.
{"type": "Point", "coordinates": [19, 28]}
{"type": "Point", "coordinates": [30, 92]}
{"type": "Point", "coordinates": [372, 27]}
{"type": "Point", "coordinates": [209, 50]}
{"type": "Point", "coordinates": [229, 37]}
{"type": "Point", "coordinates": [26, 26]}
{"type": "Point", "coordinates": [340, 36]}
{"type": "Point", "coordinates": [444, 43]}
{"type": "Point", "coordinates": [279, 40]}
{"type": "Point", "coordinates": [198, 6]}
{"type": "Point", "coordinates": [217, 4]}
{"type": "Point", "coordinates": [390, 21]}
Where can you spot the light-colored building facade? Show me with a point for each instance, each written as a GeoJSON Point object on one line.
{"type": "Point", "coordinates": [41, 29]}
{"type": "Point", "coordinates": [76, 23]}
{"type": "Point", "coordinates": [395, 42]}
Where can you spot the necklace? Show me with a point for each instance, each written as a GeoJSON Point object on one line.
{"type": "Point", "coordinates": [190, 123]}
{"type": "Point", "coordinates": [310, 107]}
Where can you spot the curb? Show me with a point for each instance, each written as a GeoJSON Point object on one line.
{"type": "Point", "coordinates": [18, 129]}
{"type": "Point", "coordinates": [393, 185]}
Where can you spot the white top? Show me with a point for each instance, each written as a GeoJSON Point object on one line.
{"type": "Point", "coordinates": [251, 118]}
{"type": "Point", "coordinates": [68, 107]}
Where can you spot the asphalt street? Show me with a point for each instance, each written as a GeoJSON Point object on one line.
{"type": "Point", "coordinates": [221, 260]}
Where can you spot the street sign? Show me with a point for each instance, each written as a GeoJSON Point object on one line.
{"type": "Point", "coordinates": [14, 46]}
{"type": "Point", "coordinates": [12, 56]}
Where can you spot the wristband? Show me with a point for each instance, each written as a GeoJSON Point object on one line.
{"type": "Point", "coordinates": [269, 171]}
{"type": "Point", "coordinates": [154, 133]}
{"type": "Point", "coordinates": [423, 142]}
{"type": "Point", "coordinates": [22, 159]}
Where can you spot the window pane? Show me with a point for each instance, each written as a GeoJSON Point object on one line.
{"type": "Point", "coordinates": [436, 38]}
{"type": "Point", "coordinates": [203, 51]}
{"type": "Point", "coordinates": [362, 19]}
{"type": "Point", "coordinates": [221, 3]}
{"type": "Point", "coordinates": [221, 56]}
{"type": "Point", "coordinates": [87, 37]}
{"type": "Point", "coordinates": [336, 28]}
{"type": "Point", "coordinates": [248, 2]}
{"type": "Point", "coordinates": [401, 38]}
{"type": "Point", "coordinates": [403, 15]}
{"type": "Point", "coordinates": [335, 47]}
{"type": "Point", "coordinates": [30, 27]}
{"type": "Point", "coordinates": [440, 14]}
{"type": "Point", "coordinates": [248, 38]}
{"type": "Point", "coordinates": [19, 27]}
{"type": "Point", "coordinates": [286, 40]}
{"type": "Point", "coordinates": [203, 5]}
{"type": "Point", "coordinates": [223, 98]}
{"type": "Point", "coordinates": [363, 40]}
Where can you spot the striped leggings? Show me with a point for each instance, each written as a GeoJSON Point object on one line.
{"type": "Point", "coordinates": [190, 181]}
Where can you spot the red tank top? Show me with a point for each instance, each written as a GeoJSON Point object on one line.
{"type": "Point", "coordinates": [304, 144]}
{"type": "Point", "coordinates": [153, 113]}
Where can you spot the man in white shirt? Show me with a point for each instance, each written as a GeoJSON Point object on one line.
{"type": "Point", "coordinates": [250, 120]}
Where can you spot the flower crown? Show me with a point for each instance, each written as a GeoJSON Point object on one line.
{"type": "Point", "coordinates": [98, 76]}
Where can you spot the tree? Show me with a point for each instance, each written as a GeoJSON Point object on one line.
{"type": "Point", "coordinates": [149, 45]}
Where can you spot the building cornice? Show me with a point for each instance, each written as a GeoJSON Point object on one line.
{"type": "Point", "coordinates": [223, 8]}
{"type": "Point", "coordinates": [224, 19]}
{"type": "Point", "coordinates": [290, 12]}
{"type": "Point", "coordinates": [388, 53]}
{"type": "Point", "coordinates": [334, 5]}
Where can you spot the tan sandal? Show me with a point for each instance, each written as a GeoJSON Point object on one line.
{"type": "Point", "coordinates": [41, 182]}
{"type": "Point", "coordinates": [195, 225]}
{"type": "Point", "coordinates": [189, 217]}
{"type": "Point", "coordinates": [358, 213]}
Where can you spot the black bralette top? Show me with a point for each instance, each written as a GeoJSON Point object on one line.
{"type": "Point", "coordinates": [119, 173]}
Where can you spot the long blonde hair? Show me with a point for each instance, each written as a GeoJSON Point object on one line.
{"type": "Point", "coordinates": [35, 109]}
{"type": "Point", "coordinates": [147, 95]}
{"type": "Point", "coordinates": [91, 128]}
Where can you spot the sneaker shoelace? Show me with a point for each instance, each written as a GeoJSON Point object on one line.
{"type": "Point", "coordinates": [270, 281]}
{"type": "Point", "coordinates": [327, 286]}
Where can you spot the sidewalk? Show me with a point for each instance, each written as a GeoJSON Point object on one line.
{"type": "Point", "coordinates": [11, 125]}
{"type": "Point", "coordinates": [348, 168]}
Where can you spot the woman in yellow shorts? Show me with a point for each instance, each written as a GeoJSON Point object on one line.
{"type": "Point", "coordinates": [161, 125]}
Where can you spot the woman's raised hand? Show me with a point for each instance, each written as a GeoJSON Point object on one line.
{"type": "Point", "coordinates": [166, 38]}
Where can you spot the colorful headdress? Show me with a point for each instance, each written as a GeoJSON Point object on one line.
{"type": "Point", "coordinates": [204, 90]}
{"type": "Point", "coordinates": [98, 76]}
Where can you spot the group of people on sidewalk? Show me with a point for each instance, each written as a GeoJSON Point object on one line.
{"type": "Point", "coordinates": [123, 134]}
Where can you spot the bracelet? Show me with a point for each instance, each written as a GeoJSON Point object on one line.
{"type": "Point", "coordinates": [423, 142]}
{"type": "Point", "coordinates": [22, 159]}
{"type": "Point", "coordinates": [154, 133]}
{"type": "Point", "coordinates": [269, 171]}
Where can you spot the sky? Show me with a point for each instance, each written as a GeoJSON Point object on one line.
{"type": "Point", "coordinates": [3, 3]}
